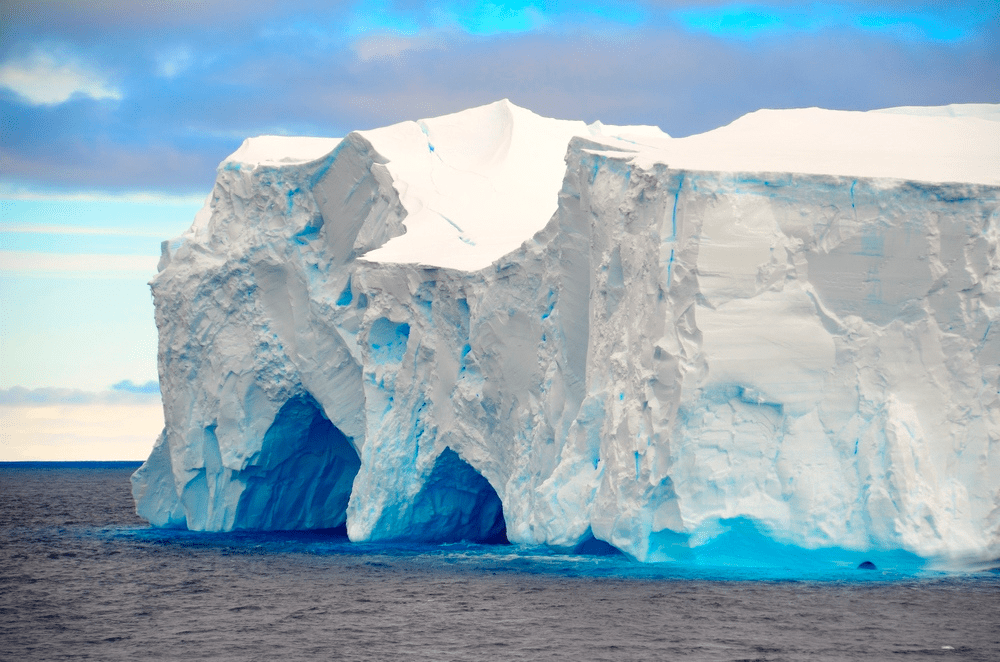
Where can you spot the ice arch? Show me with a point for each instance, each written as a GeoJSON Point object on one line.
{"type": "Point", "coordinates": [457, 503]}
{"type": "Point", "coordinates": [303, 475]}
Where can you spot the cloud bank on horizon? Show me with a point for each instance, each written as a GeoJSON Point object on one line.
{"type": "Point", "coordinates": [149, 96]}
{"type": "Point", "coordinates": [116, 113]}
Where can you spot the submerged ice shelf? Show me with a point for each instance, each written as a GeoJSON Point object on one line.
{"type": "Point", "coordinates": [495, 325]}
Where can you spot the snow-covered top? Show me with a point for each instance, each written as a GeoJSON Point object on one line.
{"type": "Point", "coordinates": [626, 132]}
{"type": "Point", "coordinates": [475, 184]}
{"type": "Point", "coordinates": [985, 111]}
{"type": "Point", "coordinates": [958, 143]}
{"type": "Point", "coordinates": [281, 150]}
{"type": "Point", "coordinates": [478, 183]}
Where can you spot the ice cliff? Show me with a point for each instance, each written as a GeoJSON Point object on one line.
{"type": "Point", "coordinates": [492, 324]}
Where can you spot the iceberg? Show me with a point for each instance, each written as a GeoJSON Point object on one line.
{"type": "Point", "coordinates": [495, 326]}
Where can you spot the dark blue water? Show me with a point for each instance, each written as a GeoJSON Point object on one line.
{"type": "Point", "coordinates": [81, 577]}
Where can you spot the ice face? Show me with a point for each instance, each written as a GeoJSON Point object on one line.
{"type": "Point", "coordinates": [678, 357]}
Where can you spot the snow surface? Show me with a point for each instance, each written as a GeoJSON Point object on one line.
{"type": "Point", "coordinates": [496, 324]}
{"type": "Point", "coordinates": [901, 143]}
{"type": "Point", "coordinates": [281, 150]}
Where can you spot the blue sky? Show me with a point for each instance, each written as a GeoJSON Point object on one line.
{"type": "Point", "coordinates": [114, 115]}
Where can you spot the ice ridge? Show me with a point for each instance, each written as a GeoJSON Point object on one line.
{"type": "Point", "coordinates": [493, 325]}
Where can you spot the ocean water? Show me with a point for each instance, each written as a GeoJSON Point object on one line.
{"type": "Point", "coordinates": [81, 577]}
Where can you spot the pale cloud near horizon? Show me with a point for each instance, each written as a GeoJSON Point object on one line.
{"type": "Point", "coordinates": [48, 77]}
{"type": "Point", "coordinates": [39, 264]}
{"type": "Point", "coordinates": [9, 191]}
{"type": "Point", "coordinates": [123, 393]}
{"type": "Point", "coordinates": [72, 229]}
{"type": "Point", "coordinates": [69, 432]}
{"type": "Point", "coordinates": [62, 424]}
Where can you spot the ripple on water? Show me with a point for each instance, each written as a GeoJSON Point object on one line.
{"type": "Point", "coordinates": [82, 577]}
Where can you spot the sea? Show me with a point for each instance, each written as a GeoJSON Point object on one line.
{"type": "Point", "coordinates": [83, 578]}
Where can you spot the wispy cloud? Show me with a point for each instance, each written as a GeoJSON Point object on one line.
{"type": "Point", "coordinates": [390, 46]}
{"type": "Point", "coordinates": [200, 80]}
{"type": "Point", "coordinates": [18, 395]}
{"type": "Point", "coordinates": [41, 264]}
{"type": "Point", "coordinates": [128, 386]}
{"type": "Point", "coordinates": [73, 229]}
{"type": "Point", "coordinates": [10, 191]}
{"type": "Point", "coordinates": [51, 76]}
{"type": "Point", "coordinates": [66, 424]}
{"type": "Point", "coordinates": [174, 61]}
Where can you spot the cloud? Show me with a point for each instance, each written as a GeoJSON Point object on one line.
{"type": "Point", "coordinates": [48, 77]}
{"type": "Point", "coordinates": [62, 264]}
{"type": "Point", "coordinates": [320, 69]}
{"type": "Point", "coordinates": [69, 424]}
{"type": "Point", "coordinates": [20, 396]}
{"type": "Point", "coordinates": [10, 191]}
{"type": "Point", "coordinates": [174, 61]}
{"type": "Point", "coordinates": [70, 431]}
{"type": "Point", "coordinates": [97, 155]}
{"type": "Point", "coordinates": [128, 386]}
{"type": "Point", "coordinates": [389, 46]}
{"type": "Point", "coordinates": [75, 229]}
{"type": "Point", "coordinates": [683, 82]}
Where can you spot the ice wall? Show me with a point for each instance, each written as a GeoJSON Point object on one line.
{"type": "Point", "coordinates": [350, 331]}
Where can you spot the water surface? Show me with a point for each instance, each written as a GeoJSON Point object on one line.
{"type": "Point", "coordinates": [81, 577]}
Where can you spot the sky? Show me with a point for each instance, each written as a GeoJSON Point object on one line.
{"type": "Point", "coordinates": [114, 115]}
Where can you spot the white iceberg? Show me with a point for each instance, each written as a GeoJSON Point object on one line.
{"type": "Point", "coordinates": [495, 324]}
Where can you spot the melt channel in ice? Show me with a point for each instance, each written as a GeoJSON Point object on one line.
{"type": "Point", "coordinates": [495, 325]}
